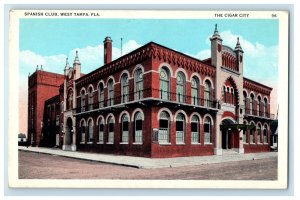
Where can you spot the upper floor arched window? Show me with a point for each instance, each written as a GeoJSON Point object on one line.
{"type": "Point", "coordinates": [164, 83]}
{"type": "Point", "coordinates": [101, 95]}
{"type": "Point", "coordinates": [195, 90]}
{"type": "Point", "coordinates": [246, 109]}
{"type": "Point", "coordinates": [207, 94]}
{"type": "Point", "coordinates": [252, 104]}
{"type": "Point", "coordinates": [91, 98]}
{"type": "Point", "coordinates": [110, 87]}
{"type": "Point", "coordinates": [82, 102]}
{"type": "Point", "coordinates": [138, 81]}
{"type": "Point", "coordinates": [259, 106]}
{"type": "Point", "coordinates": [266, 106]}
{"type": "Point", "coordinates": [180, 87]}
{"type": "Point", "coordinates": [124, 88]}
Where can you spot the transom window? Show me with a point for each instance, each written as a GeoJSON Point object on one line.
{"type": "Point", "coordinates": [164, 130]}
{"type": "Point", "coordinates": [125, 128]}
{"type": "Point", "coordinates": [138, 132]}
{"type": "Point", "coordinates": [180, 128]}
{"type": "Point", "coordinates": [125, 88]}
{"type": "Point", "coordinates": [195, 129]}
{"type": "Point", "coordinates": [164, 84]}
{"type": "Point", "coordinates": [180, 87]}
{"type": "Point", "coordinates": [138, 84]}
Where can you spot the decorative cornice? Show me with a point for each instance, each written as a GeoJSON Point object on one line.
{"type": "Point", "coordinates": [256, 87]}
{"type": "Point", "coordinates": [150, 50]}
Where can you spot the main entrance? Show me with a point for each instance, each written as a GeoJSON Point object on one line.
{"type": "Point", "coordinates": [229, 136]}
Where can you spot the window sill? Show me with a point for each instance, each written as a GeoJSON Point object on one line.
{"type": "Point", "coordinates": [89, 142]}
{"type": "Point", "coordinates": [208, 143]}
{"type": "Point", "coordinates": [82, 142]}
{"type": "Point", "coordinates": [164, 143]}
{"type": "Point", "coordinates": [260, 143]}
{"type": "Point", "coordinates": [137, 143]}
{"type": "Point", "coordinates": [194, 143]}
{"type": "Point", "coordinates": [109, 143]}
{"type": "Point", "coordinates": [180, 143]}
{"type": "Point", "coordinates": [123, 142]}
{"type": "Point", "coordinates": [100, 142]}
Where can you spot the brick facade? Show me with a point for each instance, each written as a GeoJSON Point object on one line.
{"type": "Point", "coordinates": [157, 102]}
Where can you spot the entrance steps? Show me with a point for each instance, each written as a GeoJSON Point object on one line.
{"type": "Point", "coordinates": [229, 152]}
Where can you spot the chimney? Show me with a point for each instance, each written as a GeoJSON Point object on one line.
{"type": "Point", "coordinates": [107, 50]}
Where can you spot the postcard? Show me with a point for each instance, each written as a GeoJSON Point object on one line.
{"type": "Point", "coordinates": [148, 99]}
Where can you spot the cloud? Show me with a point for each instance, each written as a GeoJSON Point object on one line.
{"type": "Point", "coordinates": [260, 61]}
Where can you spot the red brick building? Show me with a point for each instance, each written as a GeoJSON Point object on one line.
{"type": "Point", "coordinates": [158, 102]}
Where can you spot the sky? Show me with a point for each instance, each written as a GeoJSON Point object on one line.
{"type": "Point", "coordinates": [48, 42]}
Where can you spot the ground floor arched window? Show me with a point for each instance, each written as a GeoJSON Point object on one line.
{"type": "Point", "coordinates": [245, 135]}
{"type": "Point", "coordinates": [82, 130]}
{"type": "Point", "coordinates": [195, 129]}
{"type": "Point", "coordinates": [101, 130]}
{"type": "Point", "coordinates": [125, 128]}
{"type": "Point", "coordinates": [252, 134]}
{"type": "Point", "coordinates": [91, 130]}
{"type": "Point", "coordinates": [138, 128]}
{"type": "Point", "coordinates": [259, 133]}
{"type": "Point", "coordinates": [164, 127]}
{"type": "Point", "coordinates": [180, 128]}
{"type": "Point", "coordinates": [266, 138]}
{"type": "Point", "coordinates": [111, 126]}
{"type": "Point", "coordinates": [207, 130]}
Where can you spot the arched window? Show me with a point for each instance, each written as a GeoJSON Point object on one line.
{"type": "Point", "coordinates": [138, 76]}
{"type": "Point", "coordinates": [252, 134]}
{"type": "Point", "coordinates": [232, 96]}
{"type": "Point", "coordinates": [110, 92]}
{"type": "Point", "coordinates": [70, 99]}
{"type": "Point", "coordinates": [125, 88]}
{"type": "Point", "coordinates": [207, 94]}
{"type": "Point", "coordinates": [91, 98]}
{"type": "Point", "coordinates": [207, 131]}
{"type": "Point", "coordinates": [228, 95]}
{"type": "Point", "coordinates": [91, 131]}
{"type": "Point", "coordinates": [195, 90]}
{"type": "Point", "coordinates": [82, 130]}
{"type": "Point", "coordinates": [164, 128]}
{"type": "Point", "coordinates": [82, 97]}
{"type": "Point", "coordinates": [125, 128]}
{"type": "Point", "coordinates": [180, 128]}
{"type": "Point", "coordinates": [180, 87]}
{"type": "Point", "coordinates": [101, 95]}
{"type": "Point", "coordinates": [266, 107]}
{"type": "Point", "coordinates": [101, 130]}
{"type": "Point", "coordinates": [224, 94]}
{"type": "Point", "coordinates": [259, 133]}
{"type": "Point", "coordinates": [252, 104]}
{"type": "Point", "coordinates": [111, 125]}
{"type": "Point", "coordinates": [259, 106]}
{"type": "Point", "coordinates": [266, 138]}
{"type": "Point", "coordinates": [245, 103]}
{"type": "Point", "coordinates": [138, 128]}
{"type": "Point", "coordinates": [164, 84]}
{"type": "Point", "coordinates": [245, 135]}
{"type": "Point", "coordinates": [195, 129]}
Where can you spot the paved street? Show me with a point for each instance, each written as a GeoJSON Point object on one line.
{"type": "Point", "coordinates": [43, 166]}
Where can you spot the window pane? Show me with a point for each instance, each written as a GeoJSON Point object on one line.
{"type": "Point", "coordinates": [125, 126]}
{"type": "Point", "coordinates": [163, 123]}
{"type": "Point", "coordinates": [179, 126]}
{"type": "Point", "coordinates": [139, 125]}
{"type": "Point", "coordinates": [111, 127]}
{"type": "Point", "coordinates": [194, 127]}
{"type": "Point", "coordinates": [206, 128]}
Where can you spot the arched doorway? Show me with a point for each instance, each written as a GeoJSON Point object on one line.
{"type": "Point", "coordinates": [69, 131]}
{"type": "Point", "coordinates": [228, 135]}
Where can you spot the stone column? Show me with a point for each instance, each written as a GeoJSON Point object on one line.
{"type": "Point", "coordinates": [241, 143]}
{"type": "Point", "coordinates": [64, 135]}
{"type": "Point", "coordinates": [73, 147]}
{"type": "Point", "coordinates": [218, 141]}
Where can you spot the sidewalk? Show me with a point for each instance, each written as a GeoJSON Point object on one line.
{"type": "Point", "coordinates": [140, 162]}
